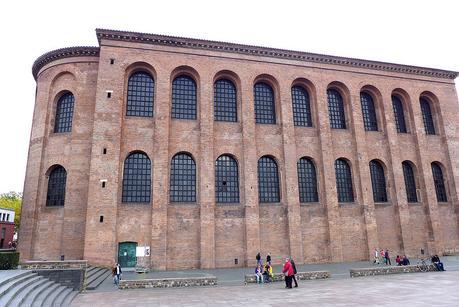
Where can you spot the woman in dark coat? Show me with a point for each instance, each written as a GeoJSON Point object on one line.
{"type": "Point", "coordinates": [294, 272]}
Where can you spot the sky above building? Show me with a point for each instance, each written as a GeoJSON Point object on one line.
{"type": "Point", "coordinates": [420, 33]}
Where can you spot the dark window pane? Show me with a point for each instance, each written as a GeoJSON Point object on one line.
{"type": "Point", "coordinates": [64, 113]}
{"type": "Point", "coordinates": [226, 180]}
{"type": "Point", "coordinates": [307, 181]}
{"type": "Point", "coordinates": [399, 115]}
{"type": "Point", "coordinates": [183, 179]}
{"type": "Point", "coordinates": [336, 110]}
{"type": "Point", "coordinates": [301, 107]}
{"type": "Point", "coordinates": [343, 181]}
{"type": "Point", "coordinates": [439, 183]}
{"type": "Point", "coordinates": [56, 187]}
{"type": "Point", "coordinates": [410, 183]}
{"type": "Point", "coordinates": [378, 181]}
{"type": "Point", "coordinates": [137, 179]}
{"type": "Point", "coordinates": [265, 112]}
{"type": "Point", "coordinates": [225, 103]}
{"type": "Point", "coordinates": [427, 116]}
{"type": "Point", "coordinates": [268, 180]}
{"type": "Point", "coordinates": [140, 95]}
{"type": "Point", "coordinates": [368, 112]}
{"type": "Point", "coordinates": [184, 98]}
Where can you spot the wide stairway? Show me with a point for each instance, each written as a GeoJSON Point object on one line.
{"type": "Point", "coordinates": [95, 276]}
{"type": "Point", "coordinates": [25, 288]}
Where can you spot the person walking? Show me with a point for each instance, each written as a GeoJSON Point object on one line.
{"type": "Point", "coordinates": [386, 255]}
{"type": "Point", "coordinates": [268, 258]}
{"type": "Point", "coordinates": [117, 270]}
{"type": "Point", "coordinates": [258, 257]}
{"type": "Point", "coordinates": [288, 272]}
{"type": "Point", "coordinates": [376, 254]}
{"type": "Point", "coordinates": [383, 256]}
{"type": "Point", "coordinates": [294, 272]}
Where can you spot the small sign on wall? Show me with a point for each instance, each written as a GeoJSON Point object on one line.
{"type": "Point", "coordinates": [142, 251]}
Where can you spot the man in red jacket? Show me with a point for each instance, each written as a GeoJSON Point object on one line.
{"type": "Point", "coordinates": [288, 272]}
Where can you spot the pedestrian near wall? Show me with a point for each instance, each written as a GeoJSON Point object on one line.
{"type": "Point", "coordinates": [288, 272]}
{"type": "Point", "coordinates": [376, 254]}
{"type": "Point", "coordinates": [383, 256]}
{"type": "Point", "coordinates": [268, 258]}
{"type": "Point", "coordinates": [294, 272]}
{"type": "Point", "coordinates": [117, 270]}
{"type": "Point", "coordinates": [386, 255]}
{"type": "Point", "coordinates": [258, 257]}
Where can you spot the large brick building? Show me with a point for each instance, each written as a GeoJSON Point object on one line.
{"type": "Point", "coordinates": [208, 152]}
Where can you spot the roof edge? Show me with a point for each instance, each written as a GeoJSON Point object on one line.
{"type": "Point", "coordinates": [61, 54]}
{"type": "Point", "coordinates": [184, 42]}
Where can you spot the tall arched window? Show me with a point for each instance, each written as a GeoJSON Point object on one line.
{"type": "Point", "coordinates": [439, 182]}
{"type": "Point", "coordinates": [410, 182]}
{"type": "Point", "coordinates": [307, 181]}
{"type": "Point", "coordinates": [301, 107]}
{"type": "Point", "coordinates": [265, 111]}
{"type": "Point", "coordinates": [336, 109]}
{"type": "Point", "coordinates": [225, 101]}
{"type": "Point", "coordinates": [378, 182]}
{"type": "Point", "coordinates": [184, 98]}
{"type": "Point", "coordinates": [141, 88]}
{"type": "Point", "coordinates": [56, 187]}
{"type": "Point", "coordinates": [183, 178]}
{"type": "Point", "coordinates": [136, 179]}
{"type": "Point", "coordinates": [343, 181]}
{"type": "Point", "coordinates": [427, 116]}
{"type": "Point", "coordinates": [64, 113]}
{"type": "Point", "coordinates": [268, 180]}
{"type": "Point", "coordinates": [368, 112]}
{"type": "Point", "coordinates": [399, 114]}
{"type": "Point", "coordinates": [226, 180]}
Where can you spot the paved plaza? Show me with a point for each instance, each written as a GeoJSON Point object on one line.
{"type": "Point", "coordinates": [415, 289]}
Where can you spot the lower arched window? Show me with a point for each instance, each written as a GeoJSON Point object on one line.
{"type": "Point", "coordinates": [343, 181]}
{"type": "Point", "coordinates": [56, 187]}
{"type": "Point", "coordinates": [307, 181]}
{"type": "Point", "coordinates": [410, 182]}
{"type": "Point", "coordinates": [268, 180]}
{"type": "Point", "coordinates": [226, 180]}
{"type": "Point", "coordinates": [136, 179]}
{"type": "Point", "coordinates": [439, 182]}
{"type": "Point", "coordinates": [378, 181]}
{"type": "Point", "coordinates": [183, 178]}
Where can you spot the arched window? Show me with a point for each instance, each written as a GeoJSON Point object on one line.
{"type": "Point", "coordinates": [427, 116]}
{"type": "Point", "coordinates": [183, 178]}
{"type": "Point", "coordinates": [184, 98]}
{"type": "Point", "coordinates": [368, 112]}
{"type": "Point", "coordinates": [141, 88]}
{"type": "Point", "coordinates": [301, 107]}
{"type": "Point", "coordinates": [439, 182]}
{"type": "Point", "coordinates": [64, 113]}
{"type": "Point", "coordinates": [399, 114]}
{"type": "Point", "coordinates": [378, 182]}
{"type": "Point", "coordinates": [265, 111]}
{"type": "Point", "coordinates": [56, 187]}
{"type": "Point", "coordinates": [268, 180]}
{"type": "Point", "coordinates": [307, 181]}
{"type": "Point", "coordinates": [226, 180]}
{"type": "Point", "coordinates": [225, 101]}
{"type": "Point", "coordinates": [336, 109]}
{"type": "Point", "coordinates": [410, 182]}
{"type": "Point", "coordinates": [136, 179]}
{"type": "Point", "coordinates": [343, 181]}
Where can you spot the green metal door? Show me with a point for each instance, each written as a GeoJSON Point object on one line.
{"type": "Point", "coordinates": [126, 254]}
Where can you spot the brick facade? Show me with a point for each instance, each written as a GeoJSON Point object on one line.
{"type": "Point", "coordinates": [205, 234]}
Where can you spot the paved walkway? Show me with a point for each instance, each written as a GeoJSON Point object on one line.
{"type": "Point", "coordinates": [417, 289]}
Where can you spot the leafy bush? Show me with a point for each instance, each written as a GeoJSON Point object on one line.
{"type": "Point", "coordinates": [9, 260]}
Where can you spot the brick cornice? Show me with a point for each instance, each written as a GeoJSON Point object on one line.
{"type": "Point", "coordinates": [62, 53]}
{"type": "Point", "coordinates": [183, 42]}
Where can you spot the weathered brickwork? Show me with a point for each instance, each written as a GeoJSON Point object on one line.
{"type": "Point", "coordinates": [205, 234]}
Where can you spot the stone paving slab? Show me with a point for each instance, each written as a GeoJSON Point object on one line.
{"type": "Point", "coordinates": [422, 289]}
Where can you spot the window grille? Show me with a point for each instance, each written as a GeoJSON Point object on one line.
{"type": "Point", "coordinates": [399, 115]}
{"type": "Point", "coordinates": [410, 182]}
{"type": "Point", "coordinates": [265, 112]}
{"type": "Point", "coordinates": [268, 180]}
{"type": "Point", "coordinates": [183, 178]}
{"type": "Point", "coordinates": [343, 181]}
{"type": "Point", "coordinates": [378, 182]}
{"type": "Point", "coordinates": [184, 98]}
{"type": "Point", "coordinates": [56, 187]}
{"type": "Point", "coordinates": [427, 116]}
{"type": "Point", "coordinates": [336, 110]}
{"type": "Point", "coordinates": [225, 101]}
{"type": "Point", "coordinates": [226, 180]}
{"type": "Point", "coordinates": [439, 183]}
{"type": "Point", "coordinates": [301, 107]}
{"type": "Point", "coordinates": [368, 112]}
{"type": "Point", "coordinates": [307, 181]}
{"type": "Point", "coordinates": [64, 113]}
{"type": "Point", "coordinates": [140, 94]}
{"type": "Point", "coordinates": [136, 179]}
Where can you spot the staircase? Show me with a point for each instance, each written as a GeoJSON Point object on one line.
{"type": "Point", "coordinates": [25, 288]}
{"type": "Point", "coordinates": [95, 276]}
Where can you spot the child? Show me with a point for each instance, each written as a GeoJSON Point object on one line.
{"type": "Point", "coordinates": [259, 274]}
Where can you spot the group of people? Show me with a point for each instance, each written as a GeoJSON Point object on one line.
{"type": "Point", "coordinates": [264, 272]}
{"type": "Point", "coordinates": [402, 260]}
{"type": "Point", "coordinates": [384, 255]}
{"type": "Point", "coordinates": [438, 264]}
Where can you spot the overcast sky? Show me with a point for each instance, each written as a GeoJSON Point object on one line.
{"type": "Point", "coordinates": [423, 33]}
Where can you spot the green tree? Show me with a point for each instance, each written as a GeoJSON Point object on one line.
{"type": "Point", "coordinates": [12, 200]}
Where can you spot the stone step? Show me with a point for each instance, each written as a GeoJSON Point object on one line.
{"type": "Point", "coordinates": [93, 271]}
{"type": "Point", "coordinates": [68, 300]}
{"type": "Point", "coordinates": [17, 290]}
{"type": "Point", "coordinates": [93, 284]}
{"type": "Point", "coordinates": [94, 276]}
{"type": "Point", "coordinates": [41, 297]}
{"type": "Point", "coordinates": [22, 296]}
{"type": "Point", "coordinates": [61, 297]}
{"type": "Point", "coordinates": [35, 293]}
{"type": "Point", "coordinates": [12, 283]}
{"type": "Point", "coordinates": [13, 276]}
{"type": "Point", "coordinates": [51, 298]}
